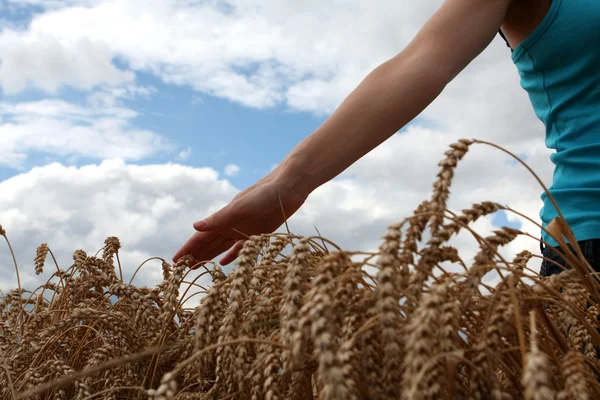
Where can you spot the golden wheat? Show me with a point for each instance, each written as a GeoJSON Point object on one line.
{"type": "Point", "coordinates": [296, 320]}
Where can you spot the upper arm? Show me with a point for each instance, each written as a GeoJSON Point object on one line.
{"type": "Point", "coordinates": [456, 34]}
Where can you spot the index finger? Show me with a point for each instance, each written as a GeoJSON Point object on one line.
{"type": "Point", "coordinates": [197, 239]}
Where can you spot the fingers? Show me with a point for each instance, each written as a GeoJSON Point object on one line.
{"type": "Point", "coordinates": [233, 253]}
{"type": "Point", "coordinates": [216, 221]}
{"type": "Point", "coordinates": [212, 238]}
{"type": "Point", "coordinates": [197, 240]}
{"type": "Point", "coordinates": [207, 251]}
{"type": "Point", "coordinates": [201, 225]}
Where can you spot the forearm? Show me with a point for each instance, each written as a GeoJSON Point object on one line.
{"type": "Point", "coordinates": [387, 99]}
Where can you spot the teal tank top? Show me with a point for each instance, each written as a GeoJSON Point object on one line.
{"type": "Point", "coordinates": [559, 67]}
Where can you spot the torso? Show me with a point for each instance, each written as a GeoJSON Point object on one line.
{"type": "Point", "coordinates": [557, 56]}
{"type": "Point", "coordinates": [522, 18]}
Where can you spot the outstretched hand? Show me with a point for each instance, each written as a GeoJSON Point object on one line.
{"type": "Point", "coordinates": [258, 209]}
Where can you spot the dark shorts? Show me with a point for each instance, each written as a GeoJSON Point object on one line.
{"type": "Point", "coordinates": [589, 248]}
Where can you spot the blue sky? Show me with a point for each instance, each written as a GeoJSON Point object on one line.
{"type": "Point", "coordinates": [217, 131]}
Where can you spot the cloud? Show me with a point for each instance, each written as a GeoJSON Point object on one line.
{"type": "Point", "coordinates": [184, 154]}
{"type": "Point", "coordinates": [44, 3]}
{"type": "Point", "coordinates": [60, 129]}
{"type": "Point", "coordinates": [254, 52]}
{"type": "Point", "coordinates": [232, 170]}
{"type": "Point", "coordinates": [258, 53]}
{"type": "Point", "coordinates": [151, 208]}
{"type": "Point", "coordinates": [389, 183]}
{"type": "Point", "coordinates": [45, 63]}
{"type": "Point", "coordinates": [111, 97]}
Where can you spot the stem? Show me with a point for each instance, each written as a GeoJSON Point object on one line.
{"type": "Point", "coordinates": [141, 265]}
{"type": "Point", "coordinates": [15, 262]}
{"type": "Point", "coordinates": [120, 269]}
{"type": "Point", "coordinates": [20, 318]}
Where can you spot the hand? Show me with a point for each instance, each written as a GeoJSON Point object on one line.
{"type": "Point", "coordinates": [255, 210]}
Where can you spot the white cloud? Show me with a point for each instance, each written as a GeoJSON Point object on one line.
{"type": "Point", "coordinates": [185, 154]}
{"type": "Point", "coordinates": [232, 170]}
{"type": "Point", "coordinates": [150, 208]}
{"type": "Point", "coordinates": [388, 183]}
{"type": "Point", "coordinates": [111, 97]}
{"type": "Point", "coordinates": [45, 63]}
{"type": "Point", "coordinates": [60, 129]}
{"type": "Point", "coordinates": [259, 53]}
{"type": "Point", "coordinates": [255, 52]}
{"type": "Point", "coordinates": [40, 3]}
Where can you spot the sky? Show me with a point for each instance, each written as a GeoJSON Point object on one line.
{"type": "Point", "coordinates": [135, 118]}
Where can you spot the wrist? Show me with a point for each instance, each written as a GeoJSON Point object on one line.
{"type": "Point", "coordinates": [293, 172]}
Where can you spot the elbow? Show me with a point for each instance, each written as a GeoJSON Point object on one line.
{"type": "Point", "coordinates": [431, 66]}
{"type": "Point", "coordinates": [419, 66]}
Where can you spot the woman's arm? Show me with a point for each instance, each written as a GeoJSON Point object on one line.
{"type": "Point", "coordinates": [396, 91]}
{"type": "Point", "coordinates": [388, 99]}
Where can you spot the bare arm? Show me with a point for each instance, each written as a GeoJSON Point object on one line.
{"type": "Point", "coordinates": [388, 99]}
{"type": "Point", "coordinates": [397, 91]}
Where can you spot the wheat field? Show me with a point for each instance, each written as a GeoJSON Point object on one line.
{"type": "Point", "coordinates": [300, 318]}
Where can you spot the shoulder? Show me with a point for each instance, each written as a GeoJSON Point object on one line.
{"type": "Point", "coordinates": [457, 33]}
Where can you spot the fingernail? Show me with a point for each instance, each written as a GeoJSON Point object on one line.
{"type": "Point", "coordinates": [200, 225]}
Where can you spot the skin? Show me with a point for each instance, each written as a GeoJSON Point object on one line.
{"type": "Point", "coordinates": [391, 96]}
{"type": "Point", "coordinates": [522, 18]}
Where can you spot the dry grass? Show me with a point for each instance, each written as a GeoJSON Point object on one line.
{"type": "Point", "coordinates": [301, 319]}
